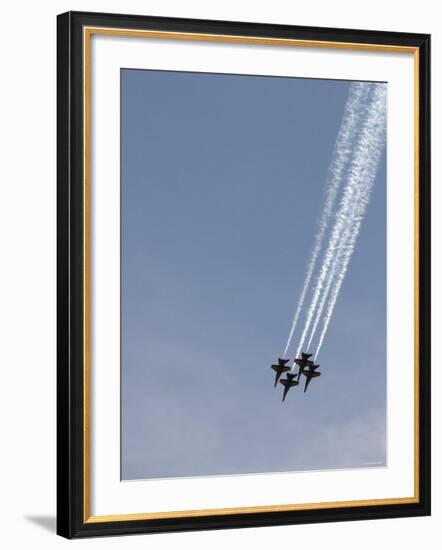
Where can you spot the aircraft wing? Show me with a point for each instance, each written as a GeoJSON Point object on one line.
{"type": "Point", "coordinates": [303, 362]}
{"type": "Point", "coordinates": [279, 368]}
{"type": "Point", "coordinates": [288, 383]}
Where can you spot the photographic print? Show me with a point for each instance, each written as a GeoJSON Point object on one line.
{"type": "Point", "coordinates": [243, 274]}
{"type": "Point", "coordinates": [253, 266]}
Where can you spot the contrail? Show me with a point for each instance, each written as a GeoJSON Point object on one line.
{"type": "Point", "coordinates": [346, 210]}
{"type": "Point", "coordinates": [325, 292]}
{"type": "Point", "coordinates": [342, 217]}
{"type": "Point", "coordinates": [336, 266]}
{"type": "Point", "coordinates": [357, 95]}
{"type": "Point", "coordinates": [340, 250]}
{"type": "Point", "coordinates": [365, 168]}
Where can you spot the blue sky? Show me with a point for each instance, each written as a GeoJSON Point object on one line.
{"type": "Point", "coordinates": [222, 182]}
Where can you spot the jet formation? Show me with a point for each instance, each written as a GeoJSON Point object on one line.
{"type": "Point", "coordinates": [306, 367]}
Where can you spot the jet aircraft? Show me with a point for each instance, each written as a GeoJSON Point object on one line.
{"type": "Point", "coordinates": [310, 372]}
{"type": "Point", "coordinates": [303, 362]}
{"type": "Point", "coordinates": [288, 383]}
{"type": "Point", "coordinates": [280, 368]}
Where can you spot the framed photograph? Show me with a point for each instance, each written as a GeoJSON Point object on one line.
{"type": "Point", "coordinates": [243, 274]}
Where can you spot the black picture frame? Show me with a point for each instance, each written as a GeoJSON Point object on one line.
{"type": "Point", "coordinates": [71, 498]}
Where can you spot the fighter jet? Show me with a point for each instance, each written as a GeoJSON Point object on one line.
{"type": "Point", "coordinates": [303, 362]}
{"type": "Point", "coordinates": [288, 383]}
{"type": "Point", "coordinates": [310, 372]}
{"type": "Point", "coordinates": [280, 368]}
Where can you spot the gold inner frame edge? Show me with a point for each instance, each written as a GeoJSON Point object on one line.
{"type": "Point", "coordinates": [87, 33]}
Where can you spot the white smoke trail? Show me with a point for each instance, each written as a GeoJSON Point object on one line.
{"type": "Point", "coordinates": [357, 167]}
{"type": "Point", "coordinates": [365, 170]}
{"type": "Point", "coordinates": [336, 265]}
{"type": "Point", "coordinates": [342, 218]}
{"type": "Point", "coordinates": [357, 95]}
{"type": "Point", "coordinates": [346, 210]}
{"type": "Point", "coordinates": [324, 295]}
